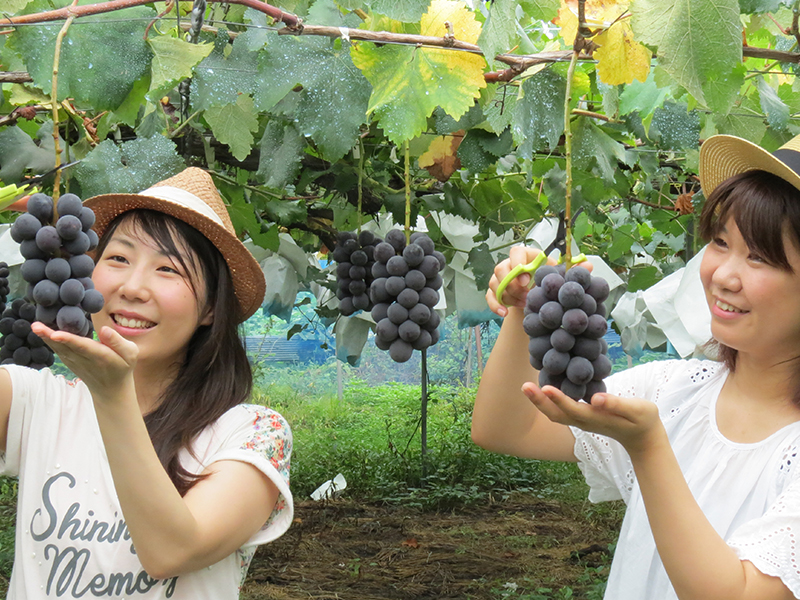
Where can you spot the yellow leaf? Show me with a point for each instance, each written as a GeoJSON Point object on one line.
{"type": "Point", "coordinates": [441, 160]}
{"type": "Point", "coordinates": [599, 14]}
{"type": "Point", "coordinates": [620, 58]}
{"type": "Point", "coordinates": [465, 27]}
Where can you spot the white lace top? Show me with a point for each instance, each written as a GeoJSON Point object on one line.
{"type": "Point", "coordinates": [749, 492]}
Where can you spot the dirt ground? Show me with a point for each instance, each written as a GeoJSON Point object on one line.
{"type": "Point", "coordinates": [347, 551]}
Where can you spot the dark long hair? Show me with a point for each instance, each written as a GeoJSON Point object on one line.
{"type": "Point", "coordinates": [215, 375]}
{"type": "Point", "coordinates": [764, 208]}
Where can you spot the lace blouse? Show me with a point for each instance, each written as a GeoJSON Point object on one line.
{"type": "Point", "coordinates": [749, 492]}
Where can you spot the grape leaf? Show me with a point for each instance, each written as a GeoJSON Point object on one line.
{"type": "Point", "coordinates": [640, 97]}
{"type": "Point", "coordinates": [444, 123]}
{"type": "Point", "coordinates": [759, 6]}
{"type": "Point", "coordinates": [540, 10]}
{"type": "Point", "coordinates": [723, 90]}
{"type": "Point", "coordinates": [333, 102]}
{"type": "Point", "coordinates": [128, 168]}
{"type": "Point", "coordinates": [409, 83]}
{"type": "Point", "coordinates": [499, 112]}
{"type": "Point", "coordinates": [407, 11]}
{"type": "Point", "coordinates": [592, 146]}
{"type": "Point", "coordinates": [474, 157]}
{"type": "Point", "coordinates": [743, 126]}
{"type": "Point", "coordinates": [220, 78]}
{"type": "Point", "coordinates": [539, 113]}
{"type": "Point", "coordinates": [88, 71]}
{"type": "Point", "coordinates": [281, 146]}
{"type": "Point", "coordinates": [776, 110]}
{"type": "Point", "coordinates": [234, 125]}
{"type": "Point", "coordinates": [482, 264]}
{"type": "Point", "coordinates": [695, 38]}
{"type": "Point", "coordinates": [19, 153]}
{"type": "Point", "coordinates": [173, 60]}
{"type": "Point", "coordinates": [620, 58]}
{"type": "Point", "coordinates": [9, 7]}
{"type": "Point", "coordinates": [498, 33]}
{"type": "Point", "coordinates": [440, 160]}
{"type": "Point", "coordinates": [678, 127]}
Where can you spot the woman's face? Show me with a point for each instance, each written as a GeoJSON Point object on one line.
{"type": "Point", "coordinates": [755, 307]}
{"type": "Point", "coordinates": [149, 296]}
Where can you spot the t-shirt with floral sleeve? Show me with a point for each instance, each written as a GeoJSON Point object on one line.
{"type": "Point", "coordinates": [750, 493]}
{"type": "Point", "coordinates": [71, 536]}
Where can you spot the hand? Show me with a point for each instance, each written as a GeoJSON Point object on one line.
{"type": "Point", "coordinates": [105, 366]}
{"type": "Point", "coordinates": [633, 422]}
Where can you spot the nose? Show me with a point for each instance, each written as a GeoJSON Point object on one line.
{"type": "Point", "coordinates": [726, 275]}
{"type": "Point", "coordinates": [136, 287]}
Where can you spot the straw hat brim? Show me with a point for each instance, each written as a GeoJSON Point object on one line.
{"type": "Point", "coordinates": [724, 156]}
{"type": "Point", "coordinates": [248, 278]}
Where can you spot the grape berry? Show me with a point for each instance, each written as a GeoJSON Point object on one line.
{"type": "Point", "coordinates": [565, 319]}
{"type": "Point", "coordinates": [18, 344]}
{"type": "Point", "coordinates": [404, 291]}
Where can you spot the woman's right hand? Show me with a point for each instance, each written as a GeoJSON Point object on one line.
{"type": "Point", "coordinates": [517, 290]}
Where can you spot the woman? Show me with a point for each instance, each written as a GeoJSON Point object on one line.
{"type": "Point", "coordinates": [703, 453]}
{"type": "Point", "coordinates": [148, 477]}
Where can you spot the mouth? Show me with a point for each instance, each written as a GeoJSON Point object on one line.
{"type": "Point", "coordinates": [728, 307]}
{"type": "Point", "coordinates": [131, 323]}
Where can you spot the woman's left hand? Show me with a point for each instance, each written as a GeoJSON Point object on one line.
{"type": "Point", "coordinates": [105, 366]}
{"type": "Point", "coordinates": [631, 421]}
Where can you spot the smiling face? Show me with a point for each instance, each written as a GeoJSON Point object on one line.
{"type": "Point", "coordinates": [755, 306]}
{"type": "Point", "coordinates": [150, 295]}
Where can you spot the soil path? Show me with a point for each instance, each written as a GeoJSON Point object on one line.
{"type": "Point", "coordinates": [348, 551]}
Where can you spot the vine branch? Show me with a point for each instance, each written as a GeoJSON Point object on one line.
{"type": "Point", "coordinates": [54, 99]}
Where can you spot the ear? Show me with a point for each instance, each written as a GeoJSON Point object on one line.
{"type": "Point", "coordinates": [207, 316]}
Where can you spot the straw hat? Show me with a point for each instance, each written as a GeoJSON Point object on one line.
{"type": "Point", "coordinates": [192, 197]}
{"type": "Point", "coordinates": [723, 156]}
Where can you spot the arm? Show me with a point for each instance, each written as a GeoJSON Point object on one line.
{"type": "Point", "coordinates": [5, 407]}
{"type": "Point", "coordinates": [699, 563]}
{"type": "Point", "coordinates": [503, 420]}
{"type": "Point", "coordinates": [171, 534]}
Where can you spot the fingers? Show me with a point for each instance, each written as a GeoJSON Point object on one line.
{"type": "Point", "coordinates": [126, 349]}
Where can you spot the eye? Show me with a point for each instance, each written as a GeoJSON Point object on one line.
{"type": "Point", "coordinates": [718, 241]}
{"type": "Point", "coordinates": [756, 258]}
{"type": "Point", "coordinates": [117, 258]}
{"type": "Point", "coordinates": [169, 269]}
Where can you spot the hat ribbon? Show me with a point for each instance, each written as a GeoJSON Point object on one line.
{"type": "Point", "coordinates": [184, 199]}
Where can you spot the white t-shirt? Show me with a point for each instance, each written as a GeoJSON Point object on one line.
{"type": "Point", "coordinates": [749, 492]}
{"type": "Point", "coordinates": [71, 537]}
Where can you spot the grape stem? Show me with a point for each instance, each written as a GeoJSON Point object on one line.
{"type": "Point", "coordinates": [408, 192]}
{"type": "Point", "coordinates": [54, 102]}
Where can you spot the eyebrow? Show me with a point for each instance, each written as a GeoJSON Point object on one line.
{"type": "Point", "coordinates": [125, 241]}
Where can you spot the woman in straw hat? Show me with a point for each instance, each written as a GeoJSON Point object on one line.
{"type": "Point", "coordinates": [704, 454]}
{"type": "Point", "coordinates": [148, 477]}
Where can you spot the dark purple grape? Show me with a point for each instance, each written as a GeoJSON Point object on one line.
{"type": "Point", "coordinates": [357, 287]}
{"type": "Point", "coordinates": [580, 275]}
{"type": "Point", "coordinates": [346, 305]}
{"type": "Point", "coordinates": [441, 258]}
{"type": "Point", "coordinates": [80, 245]}
{"type": "Point", "coordinates": [6, 325]}
{"type": "Point", "coordinates": [555, 361]}
{"type": "Point", "coordinates": [41, 207]}
{"type": "Point", "coordinates": [87, 218]}
{"type": "Point", "coordinates": [22, 356]}
{"type": "Point", "coordinates": [408, 331]}
{"type": "Point", "coordinates": [25, 227]}
{"type": "Point", "coordinates": [30, 250]}
{"type": "Point", "coordinates": [379, 270]}
{"type": "Point", "coordinates": [343, 269]}
{"type": "Point", "coordinates": [601, 310]}
{"type": "Point", "coordinates": [12, 342]}
{"type": "Point", "coordinates": [377, 291]}
{"type": "Point", "coordinates": [413, 254]}
{"type": "Point", "coordinates": [400, 351]}
{"type": "Point", "coordinates": [426, 244]}
{"type": "Point", "coordinates": [429, 297]}
{"type": "Point", "coordinates": [93, 239]}
{"type": "Point", "coordinates": [587, 348]}
{"type": "Point", "coordinates": [81, 265]}
{"type": "Point", "coordinates": [69, 204]}
{"type": "Point", "coordinates": [423, 341]}
{"type": "Point", "coordinates": [41, 354]}
{"type": "Point", "coordinates": [539, 346]}
{"type": "Point", "coordinates": [361, 301]}
{"type": "Point", "coordinates": [379, 312]}
{"type": "Point", "coordinates": [575, 321]}
{"type": "Point", "coordinates": [397, 266]}
{"type": "Point", "coordinates": [47, 314]}
{"type": "Point", "coordinates": [397, 239]}
{"type": "Point", "coordinates": [602, 367]}
{"type": "Point", "coordinates": [541, 273]}
{"type": "Point", "coordinates": [69, 227]}
{"type": "Point", "coordinates": [573, 390]}
{"type": "Point", "coordinates": [571, 294]}
{"type": "Point", "coordinates": [598, 289]}
{"type": "Point", "coordinates": [397, 314]}
{"type": "Point", "coordinates": [554, 379]}
{"type": "Point", "coordinates": [386, 330]}
{"type": "Point", "coordinates": [533, 326]}
{"type": "Point", "coordinates": [433, 322]}
{"type": "Point", "coordinates": [551, 284]}
{"type": "Point", "coordinates": [592, 388]}
{"type": "Point", "coordinates": [34, 341]}
{"type": "Point", "coordinates": [395, 285]}
{"type": "Point", "coordinates": [359, 258]}
{"type": "Point", "coordinates": [408, 298]}
{"type": "Point", "coordinates": [384, 251]}
{"type": "Point", "coordinates": [367, 238]}
{"type": "Point", "coordinates": [580, 371]}
{"type": "Point", "coordinates": [562, 340]}
{"type": "Point", "coordinates": [435, 282]}
{"type": "Point", "coordinates": [350, 245]}
{"type": "Point", "coordinates": [46, 293]}
{"type": "Point", "coordinates": [33, 271]}
{"type": "Point", "coordinates": [420, 314]}
{"type": "Point", "coordinates": [429, 267]}
{"type": "Point", "coordinates": [551, 315]}
{"type": "Point", "coordinates": [589, 305]}
{"type": "Point", "coordinates": [48, 240]}
{"type": "Point", "coordinates": [597, 327]}
{"type": "Point", "coordinates": [58, 270]}
{"type": "Point", "coordinates": [415, 280]}
{"type": "Point", "coordinates": [21, 328]}
{"type": "Point", "coordinates": [535, 299]}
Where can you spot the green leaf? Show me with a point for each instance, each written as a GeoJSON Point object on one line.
{"type": "Point", "coordinates": [444, 123]}
{"type": "Point", "coordinates": [742, 125]}
{"type": "Point", "coordinates": [499, 112]}
{"type": "Point", "coordinates": [281, 146]}
{"type": "Point", "coordinates": [640, 97]}
{"type": "Point", "coordinates": [695, 38]}
{"type": "Point", "coordinates": [722, 91]}
{"type": "Point", "coordinates": [333, 103]}
{"type": "Point", "coordinates": [643, 277]}
{"type": "Point", "coordinates": [498, 145]}
{"type": "Point", "coordinates": [410, 82]}
{"type": "Point", "coordinates": [220, 78]}
{"type": "Point", "coordinates": [750, 7]}
{"type": "Point", "coordinates": [472, 153]}
{"type": "Point", "coordinates": [407, 11]}
{"type": "Point", "coordinates": [128, 168]}
{"type": "Point", "coordinates": [286, 212]}
{"type": "Point", "coordinates": [679, 128]}
{"type": "Point", "coordinates": [540, 10]}
{"type": "Point", "coordinates": [539, 113]}
{"type": "Point", "coordinates": [234, 125]}
{"type": "Point", "coordinates": [9, 7]}
{"type": "Point", "coordinates": [20, 153]}
{"type": "Point", "coordinates": [498, 32]}
{"type": "Point", "coordinates": [173, 59]}
{"type": "Point", "coordinates": [482, 264]}
{"type": "Point", "coordinates": [89, 70]}
{"type": "Point", "coordinates": [593, 146]}
{"type": "Point", "coordinates": [777, 112]}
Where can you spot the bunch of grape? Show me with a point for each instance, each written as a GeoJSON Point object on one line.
{"type": "Point", "coordinates": [354, 255]}
{"type": "Point", "coordinates": [58, 270]}
{"type": "Point", "coordinates": [404, 292]}
{"type": "Point", "coordinates": [4, 285]}
{"type": "Point", "coordinates": [18, 344]}
{"type": "Point", "coordinates": [565, 319]}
